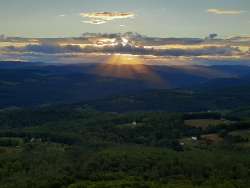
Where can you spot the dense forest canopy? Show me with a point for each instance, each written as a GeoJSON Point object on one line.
{"type": "Point", "coordinates": [77, 147]}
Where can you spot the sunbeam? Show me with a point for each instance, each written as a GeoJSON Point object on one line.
{"type": "Point", "coordinates": [128, 66]}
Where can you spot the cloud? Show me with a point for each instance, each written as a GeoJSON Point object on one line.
{"type": "Point", "coordinates": [94, 22]}
{"type": "Point", "coordinates": [127, 49]}
{"type": "Point", "coordinates": [46, 49]}
{"type": "Point", "coordinates": [104, 17]}
{"type": "Point", "coordinates": [240, 39]}
{"type": "Point", "coordinates": [128, 43]}
{"type": "Point", "coordinates": [108, 15]}
{"type": "Point", "coordinates": [225, 12]}
{"type": "Point", "coordinates": [2, 37]}
{"type": "Point", "coordinates": [212, 36]}
{"type": "Point", "coordinates": [205, 51]}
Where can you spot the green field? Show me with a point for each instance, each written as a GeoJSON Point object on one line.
{"type": "Point", "coordinates": [204, 123]}
{"type": "Point", "coordinates": [242, 134]}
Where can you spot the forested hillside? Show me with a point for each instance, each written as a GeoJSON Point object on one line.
{"type": "Point", "coordinates": [76, 147]}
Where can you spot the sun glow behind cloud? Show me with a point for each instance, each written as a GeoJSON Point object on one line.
{"type": "Point", "coordinates": [132, 47]}
{"type": "Point", "coordinates": [125, 59]}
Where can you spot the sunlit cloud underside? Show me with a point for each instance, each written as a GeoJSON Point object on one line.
{"type": "Point", "coordinates": [128, 47]}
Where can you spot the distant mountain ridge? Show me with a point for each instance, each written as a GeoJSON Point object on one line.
{"type": "Point", "coordinates": [32, 84]}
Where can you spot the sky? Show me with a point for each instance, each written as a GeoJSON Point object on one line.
{"type": "Point", "coordinates": [165, 32]}
{"type": "Point", "coordinates": [159, 18]}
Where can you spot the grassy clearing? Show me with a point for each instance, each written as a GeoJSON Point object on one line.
{"type": "Point", "coordinates": [131, 125]}
{"type": "Point", "coordinates": [212, 138]}
{"type": "Point", "coordinates": [245, 134]}
{"type": "Point", "coordinates": [204, 123]}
